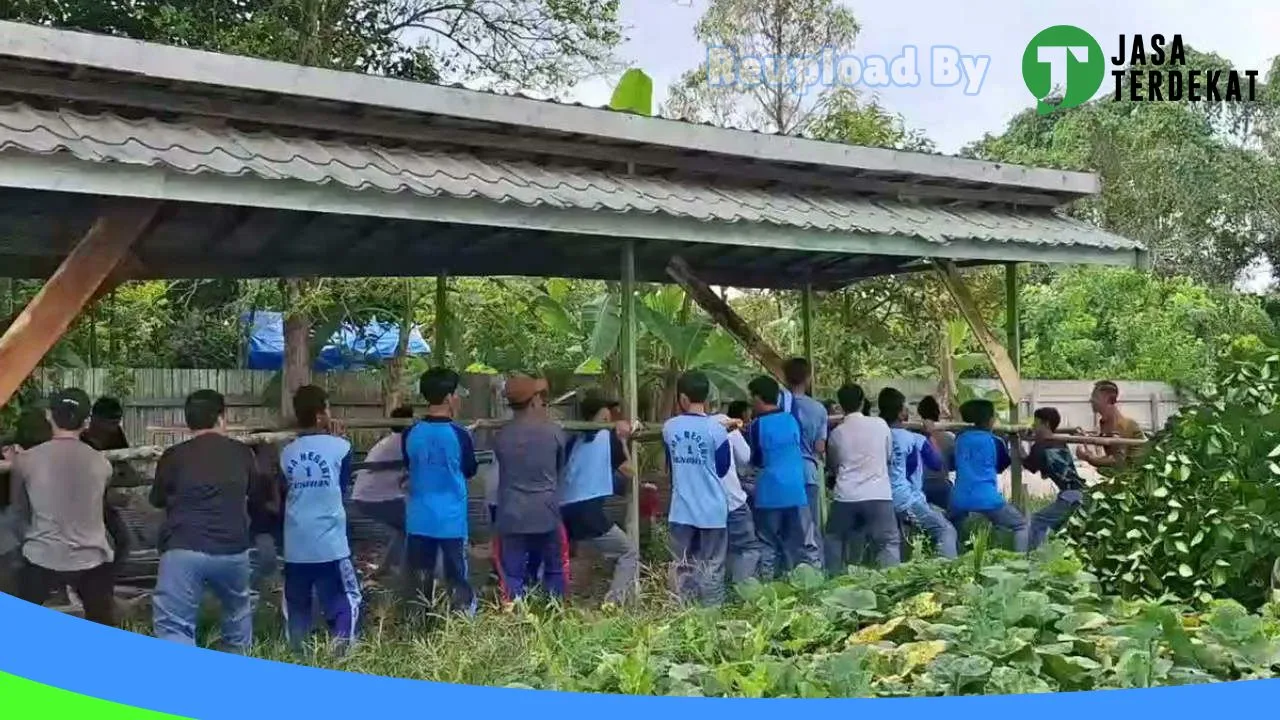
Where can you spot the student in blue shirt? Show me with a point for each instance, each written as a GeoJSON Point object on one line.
{"type": "Point", "coordinates": [440, 457]}
{"type": "Point", "coordinates": [980, 458]}
{"type": "Point", "coordinates": [317, 556]}
{"type": "Point", "coordinates": [781, 507]}
{"type": "Point", "coordinates": [698, 457]}
{"type": "Point", "coordinates": [812, 416]}
{"type": "Point", "coordinates": [912, 453]}
{"type": "Point", "coordinates": [597, 459]}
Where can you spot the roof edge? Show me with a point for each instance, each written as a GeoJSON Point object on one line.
{"type": "Point", "coordinates": [198, 67]}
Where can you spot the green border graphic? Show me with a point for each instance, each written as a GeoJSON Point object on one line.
{"type": "Point", "coordinates": [33, 700]}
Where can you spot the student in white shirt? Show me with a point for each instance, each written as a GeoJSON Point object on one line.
{"type": "Point", "coordinates": [859, 451]}
{"type": "Point", "coordinates": [744, 546]}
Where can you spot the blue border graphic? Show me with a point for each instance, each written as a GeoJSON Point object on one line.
{"type": "Point", "coordinates": [68, 653]}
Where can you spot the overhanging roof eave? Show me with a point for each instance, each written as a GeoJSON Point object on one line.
{"type": "Point", "coordinates": [65, 174]}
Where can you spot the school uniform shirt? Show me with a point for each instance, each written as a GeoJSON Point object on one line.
{"type": "Point", "coordinates": [813, 419]}
{"type": "Point", "coordinates": [698, 457]}
{"type": "Point", "coordinates": [775, 443]}
{"type": "Point", "coordinates": [911, 453]}
{"type": "Point", "coordinates": [1052, 459]}
{"type": "Point", "coordinates": [440, 457]}
{"type": "Point", "coordinates": [587, 482]}
{"type": "Point", "coordinates": [382, 484]}
{"type": "Point", "coordinates": [317, 472]}
{"type": "Point", "coordinates": [741, 453]}
{"type": "Point", "coordinates": [980, 458]}
{"type": "Point", "coordinates": [859, 450]}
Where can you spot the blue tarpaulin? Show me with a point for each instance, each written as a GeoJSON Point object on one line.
{"type": "Point", "coordinates": [350, 348]}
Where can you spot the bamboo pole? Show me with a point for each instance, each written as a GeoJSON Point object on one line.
{"type": "Point", "coordinates": [631, 387]}
{"type": "Point", "coordinates": [1013, 341]}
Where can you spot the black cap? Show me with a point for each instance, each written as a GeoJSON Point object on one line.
{"type": "Point", "coordinates": [107, 408]}
{"type": "Point", "coordinates": [593, 401]}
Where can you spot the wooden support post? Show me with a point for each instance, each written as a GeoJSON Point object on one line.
{"type": "Point", "coordinates": [631, 386]}
{"type": "Point", "coordinates": [44, 320]}
{"type": "Point", "coordinates": [1004, 366]}
{"type": "Point", "coordinates": [724, 316]}
{"type": "Point", "coordinates": [442, 317]}
{"type": "Point", "coordinates": [1013, 337]}
{"type": "Point", "coordinates": [806, 324]}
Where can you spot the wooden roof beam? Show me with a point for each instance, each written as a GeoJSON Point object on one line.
{"type": "Point", "coordinates": [1006, 370]}
{"type": "Point", "coordinates": [46, 318]}
{"type": "Point", "coordinates": [724, 316]}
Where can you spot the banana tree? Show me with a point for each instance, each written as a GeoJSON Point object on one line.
{"type": "Point", "coordinates": [953, 361]}
{"type": "Point", "coordinates": [686, 341]}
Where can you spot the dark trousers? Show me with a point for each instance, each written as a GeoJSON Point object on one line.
{"type": "Point", "coordinates": [391, 514]}
{"type": "Point", "coordinates": [95, 586]}
{"type": "Point", "coordinates": [783, 532]}
{"type": "Point", "coordinates": [517, 550]}
{"type": "Point", "coordinates": [852, 523]}
{"type": "Point", "coordinates": [336, 585]}
{"type": "Point", "coordinates": [423, 553]}
{"type": "Point", "coordinates": [698, 570]}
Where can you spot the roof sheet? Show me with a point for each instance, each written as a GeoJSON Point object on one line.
{"type": "Point", "coordinates": [198, 149]}
{"type": "Point", "coordinates": [121, 72]}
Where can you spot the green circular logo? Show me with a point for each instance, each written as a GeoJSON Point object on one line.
{"type": "Point", "coordinates": [1063, 66]}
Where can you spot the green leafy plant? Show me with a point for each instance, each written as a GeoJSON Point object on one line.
{"type": "Point", "coordinates": [1196, 517]}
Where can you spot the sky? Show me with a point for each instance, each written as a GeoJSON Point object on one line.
{"type": "Point", "coordinates": [660, 41]}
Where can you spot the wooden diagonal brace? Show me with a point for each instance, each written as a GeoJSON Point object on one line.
{"type": "Point", "coordinates": [724, 316]}
{"type": "Point", "coordinates": [995, 351]}
{"type": "Point", "coordinates": [46, 318]}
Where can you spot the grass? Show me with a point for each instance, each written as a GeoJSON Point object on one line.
{"type": "Point", "coordinates": [513, 646]}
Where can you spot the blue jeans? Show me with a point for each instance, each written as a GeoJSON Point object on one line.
{"type": "Point", "coordinates": [1006, 517]}
{"type": "Point", "coordinates": [922, 515]}
{"type": "Point", "coordinates": [1054, 516]}
{"type": "Point", "coordinates": [184, 575]}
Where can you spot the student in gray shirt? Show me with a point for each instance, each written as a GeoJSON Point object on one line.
{"type": "Point", "coordinates": [58, 490]}
{"type": "Point", "coordinates": [530, 454]}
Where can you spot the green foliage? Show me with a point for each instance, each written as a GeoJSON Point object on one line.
{"type": "Point", "coordinates": [1196, 517]}
{"type": "Point", "coordinates": [926, 628]}
{"type": "Point", "coordinates": [1125, 324]}
{"type": "Point", "coordinates": [634, 93]}
{"type": "Point", "coordinates": [1195, 182]}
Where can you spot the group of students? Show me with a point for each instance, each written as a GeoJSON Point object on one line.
{"type": "Point", "coordinates": [744, 502]}
{"type": "Point", "coordinates": [875, 468]}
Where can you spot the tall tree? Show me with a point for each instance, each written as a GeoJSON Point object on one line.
{"type": "Point", "coordinates": [1187, 179]}
{"type": "Point", "coordinates": [789, 36]}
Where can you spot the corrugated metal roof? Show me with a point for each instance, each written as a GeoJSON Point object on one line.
{"type": "Point", "coordinates": [196, 149]}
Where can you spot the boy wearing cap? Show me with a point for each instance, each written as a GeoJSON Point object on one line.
{"type": "Point", "coordinates": [317, 555]}
{"type": "Point", "coordinates": [531, 456]}
{"type": "Point", "coordinates": [58, 489]}
{"type": "Point", "coordinates": [698, 457]}
{"type": "Point", "coordinates": [782, 508]}
{"type": "Point", "coordinates": [594, 459]}
{"type": "Point", "coordinates": [441, 457]}
{"type": "Point", "coordinates": [105, 433]}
